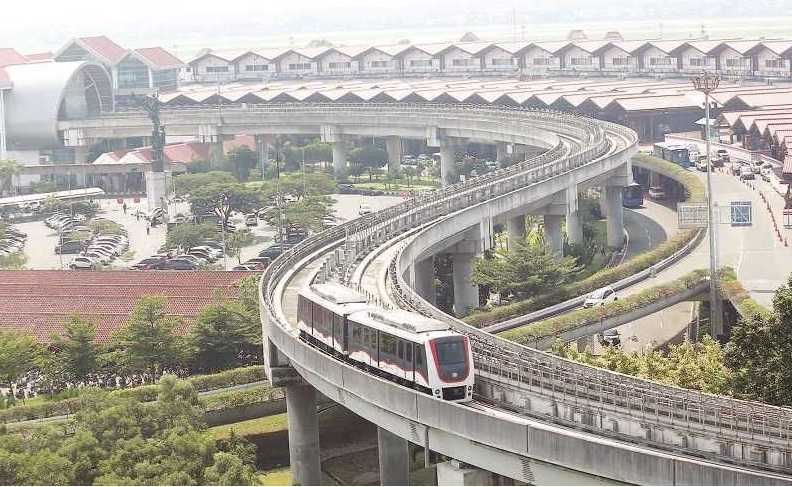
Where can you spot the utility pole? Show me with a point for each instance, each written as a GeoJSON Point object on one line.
{"type": "Point", "coordinates": [222, 210]}
{"type": "Point", "coordinates": [707, 84]}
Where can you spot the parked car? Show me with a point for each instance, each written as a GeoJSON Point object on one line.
{"type": "Point", "coordinates": [722, 154]}
{"type": "Point", "coordinates": [746, 172]}
{"type": "Point", "coordinates": [766, 174]}
{"type": "Point", "coordinates": [273, 251]}
{"type": "Point", "coordinates": [365, 210]}
{"type": "Point", "coordinates": [601, 297]}
{"type": "Point", "coordinates": [244, 267]}
{"type": "Point", "coordinates": [251, 220]}
{"type": "Point", "coordinates": [83, 262]}
{"type": "Point", "coordinates": [97, 257]}
{"type": "Point", "coordinates": [701, 164]}
{"type": "Point", "coordinates": [150, 263]}
{"type": "Point", "coordinates": [177, 265]}
{"type": "Point", "coordinates": [657, 193]}
{"type": "Point", "coordinates": [70, 247]}
{"type": "Point", "coordinates": [609, 338]}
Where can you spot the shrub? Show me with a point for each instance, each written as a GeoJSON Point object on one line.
{"type": "Point", "coordinates": [232, 399]}
{"type": "Point", "coordinates": [604, 277]}
{"type": "Point", "coordinates": [583, 317]}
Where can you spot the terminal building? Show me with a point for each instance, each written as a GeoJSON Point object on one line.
{"type": "Point", "coordinates": [641, 84]}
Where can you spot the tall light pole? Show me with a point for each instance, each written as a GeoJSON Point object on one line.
{"type": "Point", "coordinates": [706, 84]}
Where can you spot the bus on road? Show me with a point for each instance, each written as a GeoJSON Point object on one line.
{"type": "Point", "coordinates": [632, 196]}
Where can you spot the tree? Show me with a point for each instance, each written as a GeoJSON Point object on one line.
{"type": "Point", "coordinates": [241, 160]}
{"type": "Point", "coordinates": [17, 355]}
{"type": "Point", "coordinates": [187, 183]}
{"type": "Point", "coordinates": [369, 157]}
{"type": "Point", "coordinates": [527, 268]}
{"type": "Point", "coordinates": [147, 342]}
{"type": "Point", "coordinates": [9, 170]}
{"type": "Point", "coordinates": [76, 349]}
{"type": "Point", "coordinates": [237, 241]}
{"type": "Point", "coordinates": [14, 261]}
{"type": "Point", "coordinates": [190, 235]}
{"type": "Point", "coordinates": [229, 469]}
{"type": "Point", "coordinates": [223, 335]}
{"type": "Point", "coordinates": [248, 296]}
{"type": "Point", "coordinates": [760, 352]}
{"type": "Point", "coordinates": [309, 212]}
{"type": "Point", "coordinates": [205, 199]}
{"type": "Point", "coordinates": [410, 174]}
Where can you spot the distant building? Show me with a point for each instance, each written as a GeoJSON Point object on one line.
{"type": "Point", "coordinates": [576, 35]}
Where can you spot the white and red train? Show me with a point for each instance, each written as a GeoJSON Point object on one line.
{"type": "Point", "coordinates": [404, 347]}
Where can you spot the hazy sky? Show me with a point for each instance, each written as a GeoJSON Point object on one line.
{"type": "Point", "coordinates": [47, 24]}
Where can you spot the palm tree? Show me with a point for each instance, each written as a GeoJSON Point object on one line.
{"type": "Point", "coordinates": [8, 170]}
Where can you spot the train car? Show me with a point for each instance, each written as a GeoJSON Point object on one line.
{"type": "Point", "coordinates": [404, 347]}
{"type": "Point", "coordinates": [632, 196]}
{"type": "Point", "coordinates": [676, 153]}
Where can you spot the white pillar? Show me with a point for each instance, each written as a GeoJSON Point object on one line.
{"type": "Point", "coordinates": [515, 229]}
{"type": "Point", "coordinates": [502, 152]}
{"type": "Point", "coordinates": [424, 279]}
{"type": "Point", "coordinates": [3, 146]}
{"type": "Point", "coordinates": [156, 190]}
{"type": "Point", "coordinates": [466, 293]}
{"type": "Point", "coordinates": [448, 171]}
{"type": "Point", "coordinates": [455, 472]}
{"type": "Point", "coordinates": [615, 215]}
{"type": "Point", "coordinates": [393, 145]}
{"type": "Point", "coordinates": [394, 458]}
{"type": "Point", "coordinates": [339, 156]}
{"type": "Point", "coordinates": [553, 235]}
{"type": "Point", "coordinates": [574, 226]}
{"type": "Point", "coordinates": [303, 435]}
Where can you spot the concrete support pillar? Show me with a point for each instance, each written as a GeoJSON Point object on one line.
{"type": "Point", "coordinates": [466, 294]}
{"type": "Point", "coordinates": [262, 151]}
{"type": "Point", "coordinates": [394, 458]}
{"type": "Point", "coordinates": [654, 179]}
{"type": "Point", "coordinates": [339, 156]}
{"type": "Point", "coordinates": [424, 279]}
{"type": "Point", "coordinates": [615, 215]}
{"type": "Point", "coordinates": [448, 171]}
{"type": "Point", "coordinates": [156, 190]}
{"type": "Point", "coordinates": [574, 226]}
{"type": "Point", "coordinates": [393, 145]}
{"type": "Point", "coordinates": [552, 233]}
{"type": "Point", "coordinates": [3, 146]}
{"type": "Point", "coordinates": [603, 202]}
{"type": "Point", "coordinates": [216, 152]}
{"type": "Point", "coordinates": [502, 153]}
{"type": "Point", "coordinates": [303, 435]}
{"type": "Point", "coordinates": [515, 229]}
{"type": "Point", "coordinates": [455, 472]}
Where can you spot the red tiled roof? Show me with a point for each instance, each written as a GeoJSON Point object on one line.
{"type": "Point", "coordinates": [105, 47]}
{"type": "Point", "coordinates": [9, 56]}
{"type": "Point", "coordinates": [39, 302]}
{"type": "Point", "coordinates": [159, 57]}
{"type": "Point", "coordinates": [40, 56]}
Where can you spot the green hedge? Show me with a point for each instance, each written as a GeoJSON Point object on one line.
{"type": "Point", "coordinates": [733, 290]}
{"type": "Point", "coordinates": [245, 397]}
{"type": "Point", "coordinates": [583, 317]}
{"type": "Point", "coordinates": [642, 261]}
{"type": "Point", "coordinates": [243, 375]}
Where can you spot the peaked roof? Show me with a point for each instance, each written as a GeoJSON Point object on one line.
{"type": "Point", "coordinates": [158, 58]}
{"type": "Point", "coordinates": [102, 47]}
{"type": "Point", "coordinates": [40, 56]}
{"type": "Point", "coordinates": [9, 56]}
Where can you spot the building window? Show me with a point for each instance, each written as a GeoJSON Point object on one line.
{"type": "Point", "coordinates": [340, 65]}
{"type": "Point", "coordinates": [133, 74]}
{"type": "Point", "coordinates": [504, 61]}
{"type": "Point", "coordinates": [620, 61]}
{"type": "Point", "coordinates": [299, 66]}
{"type": "Point", "coordinates": [257, 67]}
{"type": "Point", "coordinates": [734, 62]}
{"type": "Point", "coordinates": [378, 64]}
{"type": "Point", "coordinates": [420, 62]}
{"type": "Point", "coordinates": [541, 61]}
{"type": "Point", "coordinates": [461, 62]}
{"type": "Point", "coordinates": [699, 61]}
{"type": "Point", "coordinates": [166, 79]}
{"type": "Point", "coordinates": [217, 69]}
{"type": "Point", "coordinates": [774, 63]}
{"type": "Point", "coordinates": [580, 61]}
{"type": "Point", "coordinates": [660, 61]}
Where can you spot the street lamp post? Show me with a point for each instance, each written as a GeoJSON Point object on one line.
{"type": "Point", "coordinates": [706, 84]}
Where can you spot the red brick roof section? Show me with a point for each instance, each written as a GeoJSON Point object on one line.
{"type": "Point", "coordinates": [159, 57]}
{"type": "Point", "coordinates": [105, 47]}
{"type": "Point", "coordinates": [39, 302]}
{"type": "Point", "coordinates": [40, 56]}
{"type": "Point", "coordinates": [9, 56]}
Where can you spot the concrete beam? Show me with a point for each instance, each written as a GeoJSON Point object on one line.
{"type": "Point", "coordinates": [394, 458]}
{"type": "Point", "coordinates": [455, 472]}
{"type": "Point", "coordinates": [303, 435]}
{"type": "Point", "coordinates": [393, 145]}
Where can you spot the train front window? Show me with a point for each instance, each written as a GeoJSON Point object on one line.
{"type": "Point", "coordinates": [451, 358]}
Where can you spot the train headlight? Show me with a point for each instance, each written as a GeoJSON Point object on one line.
{"type": "Point", "coordinates": [437, 392]}
{"type": "Point", "coordinates": [470, 388]}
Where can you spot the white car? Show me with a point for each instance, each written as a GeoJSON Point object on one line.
{"type": "Point", "coordinates": [657, 193]}
{"type": "Point", "coordinates": [601, 297]}
{"type": "Point", "coordinates": [97, 257]}
{"type": "Point", "coordinates": [767, 174]}
{"type": "Point", "coordinates": [365, 210]}
{"type": "Point", "coordinates": [82, 262]}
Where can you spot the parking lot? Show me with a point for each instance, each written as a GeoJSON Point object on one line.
{"type": "Point", "coordinates": [42, 240]}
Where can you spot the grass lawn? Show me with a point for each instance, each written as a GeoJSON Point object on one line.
{"type": "Point", "coordinates": [267, 424]}
{"type": "Point", "coordinates": [276, 476]}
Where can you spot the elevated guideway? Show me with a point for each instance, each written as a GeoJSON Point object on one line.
{"type": "Point", "coordinates": [537, 418]}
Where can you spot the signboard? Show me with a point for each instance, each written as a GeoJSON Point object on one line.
{"type": "Point", "coordinates": [741, 213]}
{"type": "Point", "coordinates": [692, 215]}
